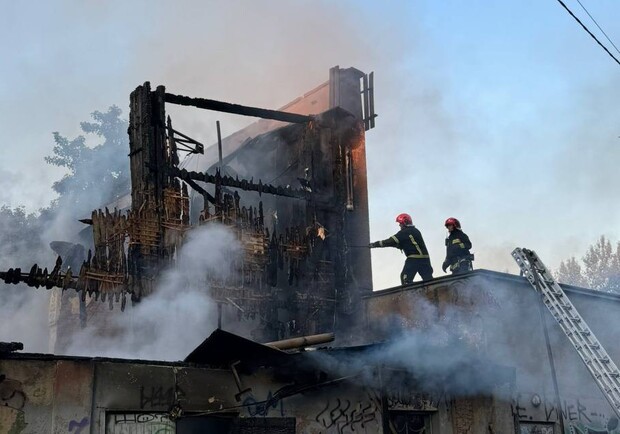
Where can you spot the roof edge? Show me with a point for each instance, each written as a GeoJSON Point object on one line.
{"type": "Point", "coordinates": [570, 289]}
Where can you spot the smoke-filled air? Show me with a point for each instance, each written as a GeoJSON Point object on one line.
{"type": "Point", "coordinates": [503, 115]}
{"type": "Point", "coordinates": [177, 317]}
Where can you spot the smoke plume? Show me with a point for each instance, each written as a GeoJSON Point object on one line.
{"type": "Point", "coordinates": [171, 322]}
{"type": "Point", "coordinates": [522, 153]}
{"type": "Point", "coordinates": [23, 310]}
{"type": "Point", "coordinates": [478, 340]}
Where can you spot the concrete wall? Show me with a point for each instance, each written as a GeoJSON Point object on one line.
{"type": "Point", "coordinates": [40, 396]}
{"type": "Point", "coordinates": [43, 394]}
{"type": "Point", "coordinates": [498, 316]}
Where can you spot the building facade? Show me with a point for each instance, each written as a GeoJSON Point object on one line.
{"type": "Point", "coordinates": [502, 319]}
{"type": "Point", "coordinates": [237, 386]}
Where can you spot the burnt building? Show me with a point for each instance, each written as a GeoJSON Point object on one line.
{"type": "Point", "coordinates": [291, 187]}
{"type": "Point", "coordinates": [502, 320]}
{"type": "Point", "coordinates": [232, 385]}
{"type": "Point", "coordinates": [454, 355]}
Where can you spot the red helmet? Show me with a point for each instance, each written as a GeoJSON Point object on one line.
{"type": "Point", "coordinates": [404, 219]}
{"type": "Point", "coordinates": [454, 222]}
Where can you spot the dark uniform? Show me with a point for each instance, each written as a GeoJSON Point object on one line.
{"type": "Point", "coordinates": [410, 241]}
{"type": "Point", "coordinates": [458, 257]}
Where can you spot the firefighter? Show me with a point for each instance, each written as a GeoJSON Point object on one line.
{"type": "Point", "coordinates": [458, 257]}
{"type": "Point", "coordinates": [410, 241]}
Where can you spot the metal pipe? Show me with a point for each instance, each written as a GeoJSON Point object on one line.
{"type": "Point", "coordinates": [302, 341]}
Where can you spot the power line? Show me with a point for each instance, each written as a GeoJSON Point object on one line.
{"type": "Point", "coordinates": [589, 32]}
{"type": "Point", "coordinates": [599, 27]}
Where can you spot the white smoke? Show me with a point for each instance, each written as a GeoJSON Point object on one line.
{"type": "Point", "coordinates": [26, 238]}
{"type": "Point", "coordinates": [422, 121]}
{"type": "Point", "coordinates": [24, 317]}
{"type": "Point", "coordinates": [438, 346]}
{"type": "Point", "coordinates": [470, 343]}
{"type": "Point", "coordinates": [171, 322]}
{"type": "Point", "coordinates": [23, 310]}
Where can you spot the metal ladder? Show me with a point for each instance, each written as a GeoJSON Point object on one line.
{"type": "Point", "coordinates": [603, 369]}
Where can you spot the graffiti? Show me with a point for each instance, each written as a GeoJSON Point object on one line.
{"type": "Point", "coordinates": [140, 423]}
{"type": "Point", "coordinates": [579, 417]}
{"type": "Point", "coordinates": [39, 392]}
{"type": "Point", "coordinates": [405, 399]}
{"type": "Point", "coordinates": [262, 408]}
{"type": "Point", "coordinates": [572, 410]}
{"type": "Point", "coordinates": [535, 428]}
{"type": "Point", "coordinates": [12, 421]}
{"type": "Point", "coordinates": [519, 412]}
{"type": "Point", "coordinates": [78, 426]}
{"type": "Point", "coordinates": [344, 414]}
{"type": "Point", "coordinates": [12, 402]}
{"type": "Point", "coordinates": [11, 393]}
{"type": "Point", "coordinates": [137, 418]}
{"type": "Point", "coordinates": [405, 422]}
{"type": "Point", "coordinates": [610, 427]}
{"type": "Point", "coordinates": [156, 396]}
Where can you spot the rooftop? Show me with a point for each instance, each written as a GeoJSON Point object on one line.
{"type": "Point", "coordinates": [492, 275]}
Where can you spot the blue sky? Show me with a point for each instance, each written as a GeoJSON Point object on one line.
{"type": "Point", "coordinates": [504, 114]}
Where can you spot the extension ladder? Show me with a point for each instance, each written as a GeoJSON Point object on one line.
{"type": "Point", "coordinates": [603, 369]}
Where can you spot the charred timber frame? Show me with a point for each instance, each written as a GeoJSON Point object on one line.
{"type": "Point", "coordinates": [209, 104]}
{"type": "Point", "coordinates": [154, 179]}
{"type": "Point", "coordinates": [147, 139]}
{"type": "Point", "coordinates": [243, 184]}
{"type": "Point", "coordinates": [331, 149]}
{"type": "Point", "coordinates": [159, 212]}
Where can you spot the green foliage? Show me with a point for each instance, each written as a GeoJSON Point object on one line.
{"type": "Point", "coordinates": [96, 175]}
{"type": "Point", "coordinates": [20, 235]}
{"type": "Point", "coordinates": [570, 273]}
{"type": "Point", "coordinates": [600, 270]}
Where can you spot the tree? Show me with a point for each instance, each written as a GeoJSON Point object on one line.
{"type": "Point", "coordinates": [20, 237]}
{"type": "Point", "coordinates": [97, 175]}
{"type": "Point", "coordinates": [570, 273]}
{"type": "Point", "coordinates": [601, 268]}
{"type": "Point", "coordinates": [23, 311]}
{"type": "Point", "coordinates": [597, 261]}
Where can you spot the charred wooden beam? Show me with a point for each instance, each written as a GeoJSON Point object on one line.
{"type": "Point", "coordinates": [226, 107]}
{"type": "Point", "coordinates": [198, 148]}
{"type": "Point", "coordinates": [37, 277]}
{"type": "Point", "coordinates": [243, 184]}
{"type": "Point", "coordinates": [199, 189]}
